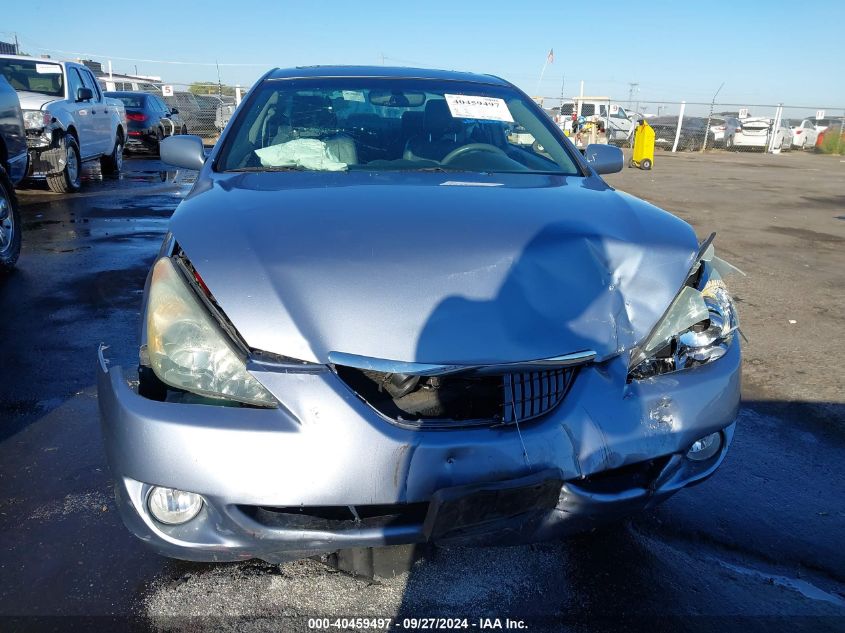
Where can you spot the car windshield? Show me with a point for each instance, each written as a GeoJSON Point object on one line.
{"type": "Point", "coordinates": [338, 124]}
{"type": "Point", "coordinates": [34, 76]}
{"type": "Point", "coordinates": [130, 101]}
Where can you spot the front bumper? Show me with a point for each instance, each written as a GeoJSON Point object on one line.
{"type": "Point", "coordinates": [47, 152]}
{"type": "Point", "coordinates": [616, 448]}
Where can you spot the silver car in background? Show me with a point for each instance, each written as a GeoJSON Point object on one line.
{"type": "Point", "coordinates": [376, 320]}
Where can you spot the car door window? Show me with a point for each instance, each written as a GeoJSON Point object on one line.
{"type": "Point", "coordinates": [88, 82]}
{"type": "Point", "coordinates": [165, 111]}
{"type": "Point", "coordinates": [74, 83]}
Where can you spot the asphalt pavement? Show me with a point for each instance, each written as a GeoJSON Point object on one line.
{"type": "Point", "coordinates": [757, 547]}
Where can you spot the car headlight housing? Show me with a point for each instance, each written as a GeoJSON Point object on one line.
{"type": "Point", "coordinates": [36, 119]}
{"type": "Point", "coordinates": [697, 329]}
{"type": "Point", "coordinates": [188, 349]}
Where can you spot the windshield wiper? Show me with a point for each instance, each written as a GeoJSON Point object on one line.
{"type": "Point", "coordinates": [272, 168]}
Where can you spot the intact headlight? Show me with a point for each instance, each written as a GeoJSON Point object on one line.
{"type": "Point", "coordinates": [697, 328]}
{"type": "Point", "coordinates": [187, 348]}
{"type": "Point", "coordinates": [36, 119]}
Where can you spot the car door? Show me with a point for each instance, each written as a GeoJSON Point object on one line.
{"type": "Point", "coordinates": [621, 124]}
{"type": "Point", "coordinates": [809, 133]}
{"type": "Point", "coordinates": [101, 116]}
{"type": "Point", "coordinates": [83, 114]}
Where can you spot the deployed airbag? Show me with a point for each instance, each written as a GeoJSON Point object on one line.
{"type": "Point", "coordinates": [305, 153]}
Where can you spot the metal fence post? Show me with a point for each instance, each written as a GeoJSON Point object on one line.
{"type": "Point", "coordinates": [678, 130]}
{"type": "Point", "coordinates": [775, 128]}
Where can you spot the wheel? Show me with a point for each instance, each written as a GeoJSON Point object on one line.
{"type": "Point", "coordinates": [10, 224]}
{"type": "Point", "coordinates": [68, 179]}
{"type": "Point", "coordinates": [155, 148]}
{"type": "Point", "coordinates": [645, 164]}
{"type": "Point", "coordinates": [113, 163]}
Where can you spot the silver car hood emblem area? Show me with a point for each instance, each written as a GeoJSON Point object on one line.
{"type": "Point", "coordinates": [429, 369]}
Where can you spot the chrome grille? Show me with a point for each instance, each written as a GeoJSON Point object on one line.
{"type": "Point", "coordinates": [529, 395]}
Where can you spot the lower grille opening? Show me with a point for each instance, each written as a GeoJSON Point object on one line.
{"type": "Point", "coordinates": [337, 517]}
{"type": "Point", "coordinates": [457, 400]}
{"type": "Point", "coordinates": [639, 475]}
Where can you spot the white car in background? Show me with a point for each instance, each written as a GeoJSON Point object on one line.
{"type": "Point", "coordinates": [618, 124]}
{"type": "Point", "coordinates": [717, 130]}
{"type": "Point", "coordinates": [804, 134]}
{"type": "Point", "coordinates": [754, 132]}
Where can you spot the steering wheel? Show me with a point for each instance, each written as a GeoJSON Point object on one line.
{"type": "Point", "coordinates": [471, 147]}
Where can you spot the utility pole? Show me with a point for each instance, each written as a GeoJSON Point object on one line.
{"type": "Point", "coordinates": [562, 84]}
{"type": "Point", "coordinates": [633, 88]}
{"type": "Point", "coordinates": [17, 48]}
{"type": "Point", "coordinates": [219, 83]}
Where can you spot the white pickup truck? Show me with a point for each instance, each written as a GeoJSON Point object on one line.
{"type": "Point", "coordinates": [68, 119]}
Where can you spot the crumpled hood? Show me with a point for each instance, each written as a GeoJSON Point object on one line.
{"type": "Point", "coordinates": [34, 100]}
{"type": "Point", "coordinates": [432, 267]}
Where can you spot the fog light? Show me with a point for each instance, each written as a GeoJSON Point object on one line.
{"type": "Point", "coordinates": [705, 447]}
{"type": "Point", "coordinates": [173, 506]}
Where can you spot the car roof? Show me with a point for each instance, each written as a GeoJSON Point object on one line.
{"type": "Point", "coordinates": [397, 72]}
{"type": "Point", "coordinates": [42, 60]}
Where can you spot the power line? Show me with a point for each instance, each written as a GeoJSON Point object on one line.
{"type": "Point", "coordinates": [148, 61]}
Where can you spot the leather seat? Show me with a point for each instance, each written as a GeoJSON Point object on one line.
{"type": "Point", "coordinates": [441, 133]}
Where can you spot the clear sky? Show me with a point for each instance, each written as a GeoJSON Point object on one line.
{"type": "Point", "coordinates": [764, 52]}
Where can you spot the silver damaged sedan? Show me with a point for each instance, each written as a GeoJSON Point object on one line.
{"type": "Point", "coordinates": [399, 307]}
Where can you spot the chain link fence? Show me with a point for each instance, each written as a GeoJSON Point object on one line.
{"type": "Point", "coordinates": [201, 108]}
{"type": "Point", "coordinates": [693, 127]}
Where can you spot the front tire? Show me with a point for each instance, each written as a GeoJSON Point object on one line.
{"type": "Point", "coordinates": [645, 164]}
{"type": "Point", "coordinates": [10, 224]}
{"type": "Point", "coordinates": [68, 180]}
{"type": "Point", "coordinates": [112, 164]}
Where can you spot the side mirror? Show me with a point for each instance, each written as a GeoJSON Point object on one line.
{"type": "Point", "coordinates": [184, 151]}
{"type": "Point", "coordinates": [604, 159]}
{"type": "Point", "coordinates": [174, 111]}
{"type": "Point", "coordinates": [84, 94]}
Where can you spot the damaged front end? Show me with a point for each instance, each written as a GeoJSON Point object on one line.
{"type": "Point", "coordinates": [47, 149]}
{"type": "Point", "coordinates": [265, 456]}
{"type": "Point", "coordinates": [451, 396]}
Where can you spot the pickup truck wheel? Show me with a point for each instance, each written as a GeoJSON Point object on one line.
{"type": "Point", "coordinates": [67, 180]}
{"type": "Point", "coordinates": [10, 223]}
{"type": "Point", "coordinates": [113, 163]}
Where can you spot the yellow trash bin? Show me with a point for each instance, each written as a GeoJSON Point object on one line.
{"type": "Point", "coordinates": [643, 153]}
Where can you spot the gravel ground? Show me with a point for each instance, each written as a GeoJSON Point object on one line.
{"type": "Point", "coordinates": [757, 547]}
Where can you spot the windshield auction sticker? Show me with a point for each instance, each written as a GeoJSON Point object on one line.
{"type": "Point", "coordinates": [485, 108]}
{"type": "Point", "coordinates": [48, 69]}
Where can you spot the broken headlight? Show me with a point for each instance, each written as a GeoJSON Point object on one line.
{"type": "Point", "coordinates": [36, 119]}
{"type": "Point", "coordinates": [188, 350]}
{"type": "Point", "coordinates": [697, 328]}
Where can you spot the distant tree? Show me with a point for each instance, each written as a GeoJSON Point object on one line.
{"type": "Point", "coordinates": [211, 88]}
